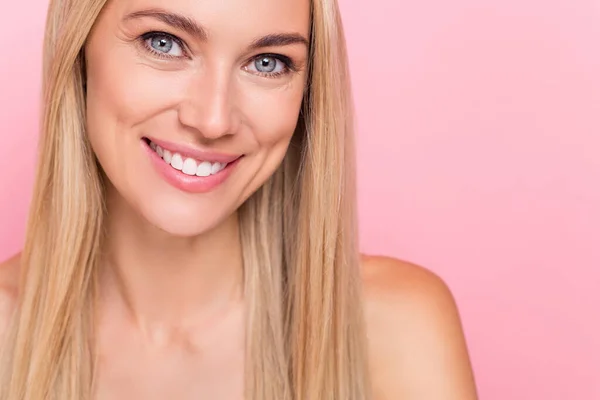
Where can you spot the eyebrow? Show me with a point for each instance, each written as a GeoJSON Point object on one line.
{"type": "Point", "coordinates": [192, 28]}
{"type": "Point", "coordinates": [177, 21]}
{"type": "Point", "coordinates": [279, 39]}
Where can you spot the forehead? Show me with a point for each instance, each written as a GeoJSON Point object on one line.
{"type": "Point", "coordinates": [227, 18]}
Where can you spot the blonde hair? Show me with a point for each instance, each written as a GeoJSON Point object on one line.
{"type": "Point", "coordinates": [305, 333]}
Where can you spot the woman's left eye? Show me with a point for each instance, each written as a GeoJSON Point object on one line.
{"type": "Point", "coordinates": [163, 45]}
{"type": "Point", "coordinates": [268, 65]}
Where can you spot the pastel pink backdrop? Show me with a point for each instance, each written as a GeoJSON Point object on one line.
{"type": "Point", "coordinates": [479, 157]}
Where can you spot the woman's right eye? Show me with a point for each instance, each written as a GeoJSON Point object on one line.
{"type": "Point", "coordinates": [163, 45]}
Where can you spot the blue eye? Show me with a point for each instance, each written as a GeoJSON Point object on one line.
{"type": "Point", "coordinates": [266, 64]}
{"type": "Point", "coordinates": [163, 44]}
{"type": "Point", "coordinates": [269, 65]}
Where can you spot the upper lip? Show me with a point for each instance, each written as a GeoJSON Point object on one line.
{"type": "Point", "coordinates": [197, 154]}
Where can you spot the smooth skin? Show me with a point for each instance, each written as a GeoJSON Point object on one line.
{"type": "Point", "coordinates": [416, 343]}
{"type": "Point", "coordinates": [171, 306]}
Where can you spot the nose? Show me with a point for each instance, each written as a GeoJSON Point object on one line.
{"type": "Point", "coordinates": [209, 105]}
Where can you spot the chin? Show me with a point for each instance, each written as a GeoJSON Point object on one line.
{"type": "Point", "coordinates": [186, 218]}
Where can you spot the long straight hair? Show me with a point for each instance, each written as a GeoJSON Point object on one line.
{"type": "Point", "coordinates": [305, 336]}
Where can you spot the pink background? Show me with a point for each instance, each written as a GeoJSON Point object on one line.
{"type": "Point", "coordinates": [479, 157]}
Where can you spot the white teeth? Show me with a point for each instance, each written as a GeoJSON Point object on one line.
{"type": "Point", "coordinates": [189, 166]}
{"type": "Point", "coordinates": [177, 162]}
{"type": "Point", "coordinates": [204, 169]}
{"type": "Point", "coordinates": [167, 156]}
{"type": "Point", "coordinates": [216, 167]}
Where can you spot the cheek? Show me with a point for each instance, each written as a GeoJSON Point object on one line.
{"type": "Point", "coordinates": [128, 93]}
{"type": "Point", "coordinates": [122, 95]}
{"type": "Point", "coordinates": [273, 115]}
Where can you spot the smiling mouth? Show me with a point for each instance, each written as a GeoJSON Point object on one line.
{"type": "Point", "coordinates": [187, 165]}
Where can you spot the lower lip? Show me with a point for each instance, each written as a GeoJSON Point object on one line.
{"type": "Point", "coordinates": [184, 182]}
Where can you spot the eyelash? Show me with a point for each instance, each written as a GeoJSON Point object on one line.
{"type": "Point", "coordinates": [288, 63]}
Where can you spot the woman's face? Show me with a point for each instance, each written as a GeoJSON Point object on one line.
{"type": "Point", "coordinates": [191, 104]}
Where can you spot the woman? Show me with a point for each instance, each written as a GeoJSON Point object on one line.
{"type": "Point", "coordinates": [192, 233]}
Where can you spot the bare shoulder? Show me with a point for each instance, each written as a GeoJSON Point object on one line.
{"type": "Point", "coordinates": [9, 280]}
{"type": "Point", "coordinates": [416, 341]}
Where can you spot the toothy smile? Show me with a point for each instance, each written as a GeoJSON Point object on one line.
{"type": "Point", "coordinates": [187, 165]}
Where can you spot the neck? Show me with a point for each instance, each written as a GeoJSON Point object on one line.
{"type": "Point", "coordinates": [164, 280]}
